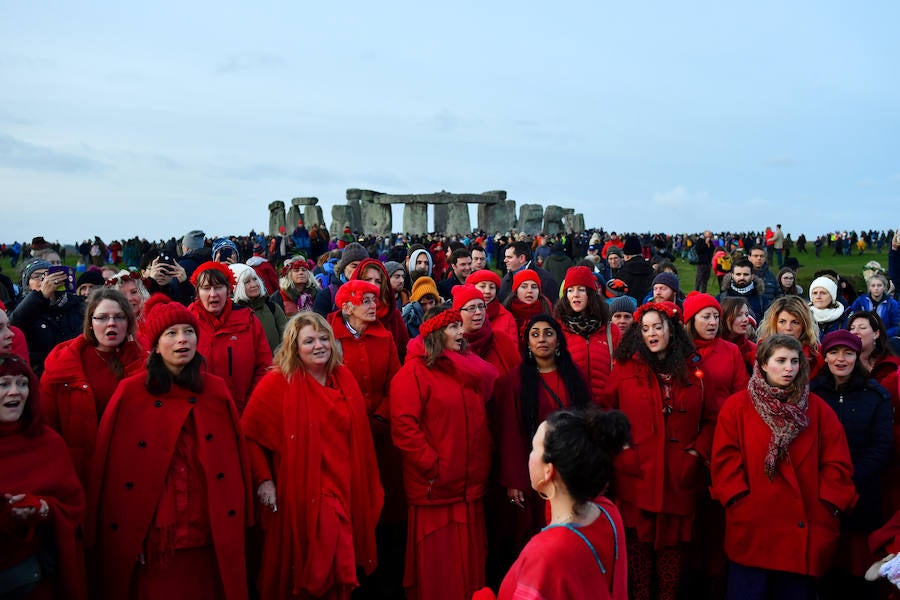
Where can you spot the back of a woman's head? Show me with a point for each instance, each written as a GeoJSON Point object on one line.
{"type": "Point", "coordinates": [581, 445]}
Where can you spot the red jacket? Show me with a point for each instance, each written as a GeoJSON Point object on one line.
{"type": "Point", "coordinates": [20, 344]}
{"type": "Point", "coordinates": [502, 320]}
{"type": "Point", "coordinates": [722, 370]}
{"type": "Point", "coordinates": [592, 356]}
{"type": "Point", "coordinates": [785, 524]}
{"type": "Point", "coordinates": [68, 402]}
{"type": "Point", "coordinates": [498, 349]}
{"type": "Point", "coordinates": [135, 446]}
{"type": "Point", "coordinates": [237, 351]}
{"type": "Point", "coordinates": [439, 422]}
{"type": "Point", "coordinates": [656, 473]}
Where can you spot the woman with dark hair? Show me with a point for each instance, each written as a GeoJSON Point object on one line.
{"type": "Point", "coordinates": [782, 470]}
{"type": "Point", "coordinates": [864, 409]}
{"type": "Point", "coordinates": [659, 478]}
{"type": "Point", "coordinates": [488, 283]}
{"type": "Point", "coordinates": [526, 300]}
{"type": "Point", "coordinates": [737, 328]}
{"type": "Point", "coordinates": [581, 553]}
{"type": "Point", "coordinates": [43, 503]}
{"type": "Point", "coordinates": [170, 481]}
{"type": "Point", "coordinates": [787, 283]}
{"type": "Point", "coordinates": [232, 341]}
{"type": "Point", "coordinates": [82, 374]}
{"type": "Point", "coordinates": [874, 355]}
{"type": "Point", "coordinates": [584, 317]}
{"type": "Point", "coordinates": [547, 380]}
{"type": "Point", "coordinates": [314, 468]}
{"type": "Point", "coordinates": [439, 423]}
{"type": "Point", "coordinates": [373, 271]}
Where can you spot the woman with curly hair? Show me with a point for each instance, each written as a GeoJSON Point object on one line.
{"type": "Point", "coordinates": [297, 285]}
{"type": "Point", "coordinates": [659, 477]}
{"type": "Point", "coordinates": [790, 315]}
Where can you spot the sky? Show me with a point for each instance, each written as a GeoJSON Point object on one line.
{"type": "Point", "coordinates": [155, 118]}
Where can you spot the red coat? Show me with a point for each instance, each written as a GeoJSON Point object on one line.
{"type": "Point", "coordinates": [20, 344]}
{"type": "Point", "coordinates": [502, 320]}
{"type": "Point", "coordinates": [236, 350]}
{"type": "Point", "coordinates": [135, 447]}
{"type": "Point", "coordinates": [592, 356]}
{"type": "Point", "coordinates": [68, 401]}
{"type": "Point", "coordinates": [722, 370]}
{"type": "Point", "coordinates": [495, 347]}
{"type": "Point", "coordinates": [656, 473]}
{"type": "Point", "coordinates": [538, 572]}
{"type": "Point", "coordinates": [783, 524]}
{"type": "Point", "coordinates": [314, 442]}
{"type": "Point", "coordinates": [439, 422]}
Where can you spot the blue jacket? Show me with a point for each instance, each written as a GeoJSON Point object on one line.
{"type": "Point", "coordinates": [888, 309]}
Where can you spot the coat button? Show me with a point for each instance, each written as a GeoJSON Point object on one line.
{"type": "Point", "coordinates": [232, 512]}
{"type": "Point", "coordinates": [129, 485]}
{"type": "Point", "coordinates": [114, 526]}
{"type": "Point", "coordinates": [209, 437]}
{"type": "Point", "coordinates": [142, 444]}
{"type": "Point", "coordinates": [158, 403]}
{"type": "Point", "coordinates": [192, 400]}
{"type": "Point", "coordinates": [220, 476]}
{"type": "Point", "coordinates": [801, 524]}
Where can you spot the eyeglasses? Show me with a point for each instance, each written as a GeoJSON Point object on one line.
{"type": "Point", "coordinates": [108, 318]}
{"type": "Point", "coordinates": [38, 275]}
{"type": "Point", "coordinates": [475, 309]}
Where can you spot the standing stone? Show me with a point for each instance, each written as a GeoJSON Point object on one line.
{"type": "Point", "coordinates": [276, 217]}
{"type": "Point", "coordinates": [441, 216]}
{"type": "Point", "coordinates": [293, 215]}
{"type": "Point", "coordinates": [531, 219]}
{"type": "Point", "coordinates": [497, 217]}
{"type": "Point", "coordinates": [458, 219]}
{"type": "Point", "coordinates": [415, 218]}
{"type": "Point", "coordinates": [376, 218]}
{"type": "Point", "coordinates": [553, 217]}
{"type": "Point", "coordinates": [511, 214]}
{"type": "Point", "coordinates": [312, 215]}
{"type": "Point", "coordinates": [340, 218]}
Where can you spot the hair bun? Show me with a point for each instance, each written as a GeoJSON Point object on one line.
{"type": "Point", "coordinates": [610, 430]}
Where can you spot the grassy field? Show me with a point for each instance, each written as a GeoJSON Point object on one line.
{"type": "Point", "coordinates": [849, 266]}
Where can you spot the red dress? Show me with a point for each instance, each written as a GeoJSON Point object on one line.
{"type": "Point", "coordinates": [557, 563]}
{"type": "Point", "coordinates": [170, 494]}
{"type": "Point", "coordinates": [71, 405]}
{"type": "Point", "coordinates": [439, 422]}
{"type": "Point", "coordinates": [314, 442]}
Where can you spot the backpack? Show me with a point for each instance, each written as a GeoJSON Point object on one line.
{"type": "Point", "coordinates": [725, 262]}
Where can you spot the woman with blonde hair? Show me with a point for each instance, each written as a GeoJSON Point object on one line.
{"type": "Point", "coordinates": [790, 315]}
{"type": "Point", "coordinates": [313, 467]}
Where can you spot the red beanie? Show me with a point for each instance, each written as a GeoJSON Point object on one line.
{"type": "Point", "coordinates": [160, 313]}
{"type": "Point", "coordinates": [465, 293]}
{"type": "Point", "coordinates": [353, 292]}
{"type": "Point", "coordinates": [215, 266]}
{"type": "Point", "coordinates": [483, 275]}
{"type": "Point", "coordinates": [580, 276]}
{"type": "Point", "coordinates": [523, 276]}
{"type": "Point", "coordinates": [695, 302]}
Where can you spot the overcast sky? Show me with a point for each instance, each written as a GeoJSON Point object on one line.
{"type": "Point", "coordinates": [153, 118]}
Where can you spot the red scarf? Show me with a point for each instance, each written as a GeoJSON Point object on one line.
{"type": "Point", "coordinates": [523, 313]}
{"type": "Point", "coordinates": [703, 346]}
{"type": "Point", "coordinates": [480, 341]}
{"type": "Point", "coordinates": [216, 322]}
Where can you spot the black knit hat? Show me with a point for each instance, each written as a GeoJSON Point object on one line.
{"type": "Point", "coordinates": [353, 252]}
{"type": "Point", "coordinates": [632, 245]}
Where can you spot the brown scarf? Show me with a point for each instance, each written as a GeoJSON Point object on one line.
{"type": "Point", "coordinates": [786, 419]}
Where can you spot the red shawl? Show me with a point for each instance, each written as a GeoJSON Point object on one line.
{"type": "Point", "coordinates": [282, 417]}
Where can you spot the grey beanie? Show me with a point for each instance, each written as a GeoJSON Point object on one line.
{"type": "Point", "coordinates": [30, 268]}
{"type": "Point", "coordinates": [615, 250]}
{"type": "Point", "coordinates": [392, 266]}
{"type": "Point", "coordinates": [353, 252]}
{"type": "Point", "coordinates": [622, 304]}
{"type": "Point", "coordinates": [193, 240]}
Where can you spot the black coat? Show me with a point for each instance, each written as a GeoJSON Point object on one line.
{"type": "Point", "coordinates": [45, 325]}
{"type": "Point", "coordinates": [864, 409]}
{"type": "Point", "coordinates": [638, 276]}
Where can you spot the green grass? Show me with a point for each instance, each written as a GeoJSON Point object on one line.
{"type": "Point", "coordinates": [849, 266]}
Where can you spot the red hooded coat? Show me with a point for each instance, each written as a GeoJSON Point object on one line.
{"type": "Point", "coordinates": [592, 355]}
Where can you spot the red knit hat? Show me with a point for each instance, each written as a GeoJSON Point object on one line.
{"type": "Point", "coordinates": [523, 276]}
{"type": "Point", "coordinates": [353, 292]}
{"type": "Point", "coordinates": [215, 266]}
{"type": "Point", "coordinates": [439, 321]}
{"type": "Point", "coordinates": [483, 275]}
{"type": "Point", "coordinates": [464, 293]}
{"type": "Point", "coordinates": [695, 302]}
{"type": "Point", "coordinates": [160, 313]}
{"type": "Point", "coordinates": [580, 276]}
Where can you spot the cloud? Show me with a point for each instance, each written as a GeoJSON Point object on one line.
{"type": "Point", "coordinates": [445, 120]}
{"type": "Point", "coordinates": [237, 64]}
{"type": "Point", "coordinates": [8, 118]}
{"type": "Point", "coordinates": [781, 162]}
{"type": "Point", "coordinates": [679, 197]}
{"type": "Point", "coordinates": [16, 154]}
{"type": "Point", "coordinates": [264, 171]}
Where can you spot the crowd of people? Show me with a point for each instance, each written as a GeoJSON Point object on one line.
{"type": "Point", "coordinates": [435, 417]}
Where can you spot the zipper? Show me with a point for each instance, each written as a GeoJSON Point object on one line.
{"type": "Point", "coordinates": [229, 361]}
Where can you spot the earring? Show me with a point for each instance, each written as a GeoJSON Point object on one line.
{"type": "Point", "coordinates": [543, 494]}
{"type": "Point", "coordinates": [557, 351]}
{"type": "Point", "coordinates": [530, 355]}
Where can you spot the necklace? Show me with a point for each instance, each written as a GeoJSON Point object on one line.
{"type": "Point", "coordinates": [570, 517]}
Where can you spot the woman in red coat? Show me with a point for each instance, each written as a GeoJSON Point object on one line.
{"type": "Point", "coordinates": [658, 479]}
{"type": "Point", "coordinates": [170, 492]}
{"type": "Point", "coordinates": [496, 347]}
{"type": "Point", "coordinates": [439, 423]}
{"type": "Point", "coordinates": [781, 467]}
{"type": "Point", "coordinates": [526, 300]}
{"type": "Point", "coordinates": [313, 467]}
{"type": "Point", "coordinates": [41, 501]}
{"type": "Point", "coordinates": [488, 283]}
{"type": "Point", "coordinates": [232, 341]}
{"type": "Point", "coordinates": [374, 272]}
{"type": "Point", "coordinates": [12, 340]}
{"type": "Point", "coordinates": [80, 375]}
{"type": "Point", "coordinates": [737, 328]}
{"type": "Point", "coordinates": [584, 317]}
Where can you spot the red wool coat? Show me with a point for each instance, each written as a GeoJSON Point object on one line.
{"type": "Point", "coordinates": [502, 320]}
{"type": "Point", "coordinates": [592, 356]}
{"type": "Point", "coordinates": [722, 370]}
{"type": "Point", "coordinates": [786, 524]}
{"type": "Point", "coordinates": [69, 403]}
{"type": "Point", "coordinates": [439, 423]}
{"type": "Point", "coordinates": [135, 447]}
{"type": "Point", "coordinates": [496, 348]}
{"type": "Point", "coordinates": [237, 351]}
{"type": "Point", "coordinates": [656, 473]}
